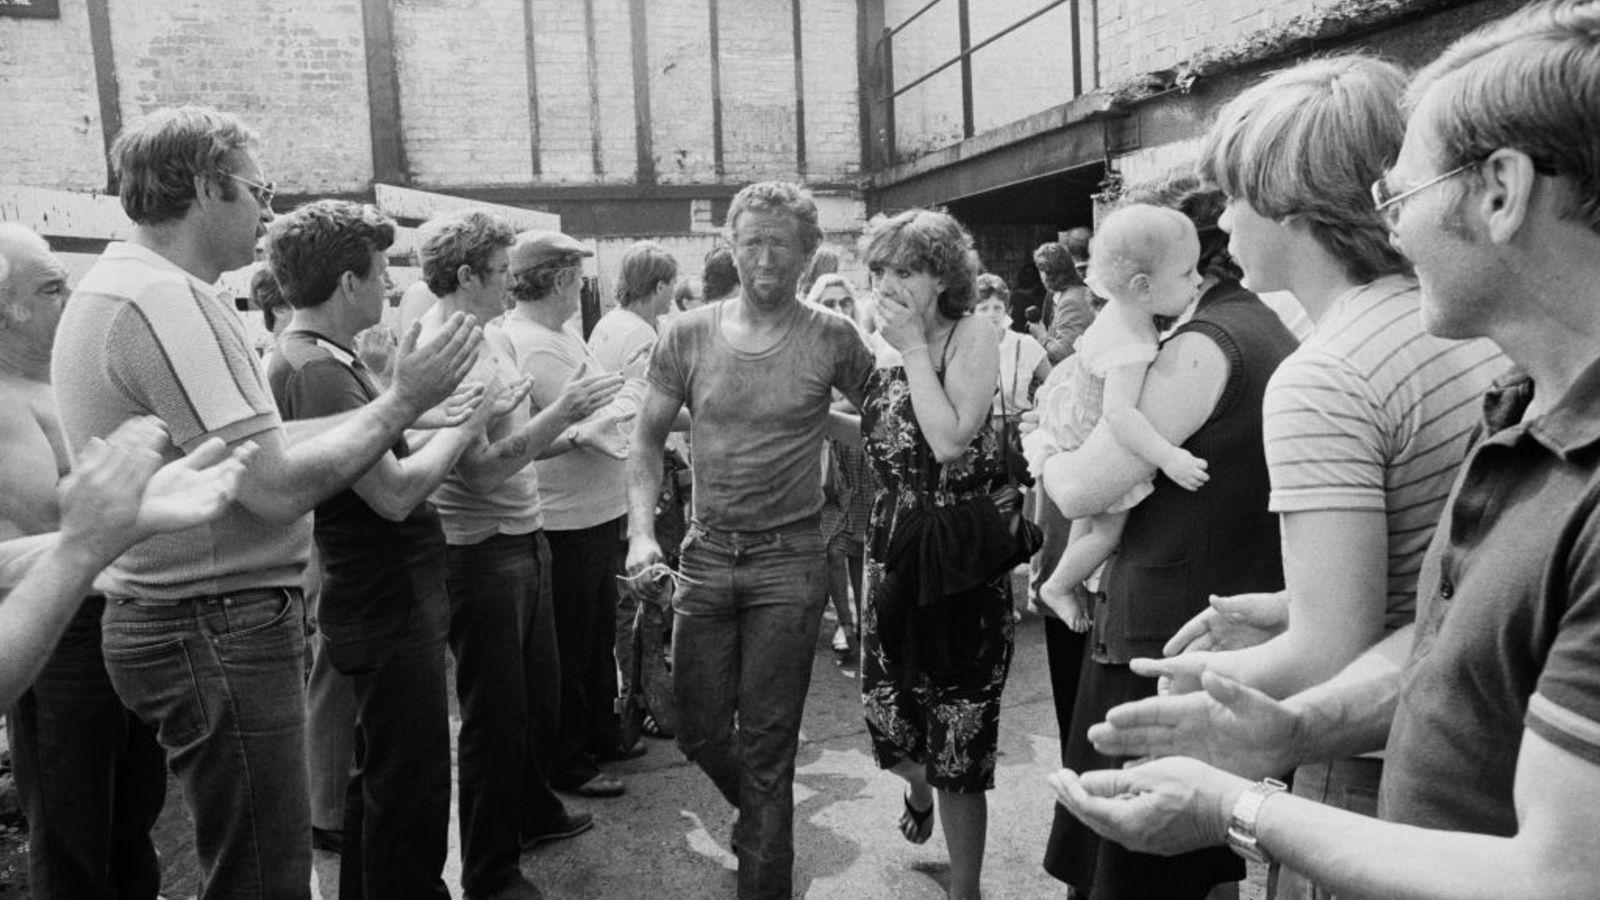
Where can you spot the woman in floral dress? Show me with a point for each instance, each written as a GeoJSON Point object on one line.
{"type": "Point", "coordinates": [931, 683]}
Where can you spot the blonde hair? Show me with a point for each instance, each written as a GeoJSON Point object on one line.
{"type": "Point", "coordinates": [1309, 141]}
{"type": "Point", "coordinates": [1133, 240]}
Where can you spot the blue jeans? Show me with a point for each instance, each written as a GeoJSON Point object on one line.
{"type": "Point", "coordinates": [744, 632]}
{"type": "Point", "coordinates": [508, 681]}
{"type": "Point", "coordinates": [222, 681]}
{"type": "Point", "coordinates": [91, 777]}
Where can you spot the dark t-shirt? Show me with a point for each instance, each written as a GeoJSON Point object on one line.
{"type": "Point", "coordinates": [1508, 618]}
{"type": "Point", "coordinates": [365, 556]}
{"type": "Point", "coordinates": [757, 419]}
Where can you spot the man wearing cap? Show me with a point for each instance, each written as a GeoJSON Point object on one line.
{"type": "Point", "coordinates": [757, 374]}
{"type": "Point", "coordinates": [584, 497]}
{"type": "Point", "coordinates": [502, 629]}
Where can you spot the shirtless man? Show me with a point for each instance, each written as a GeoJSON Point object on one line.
{"type": "Point", "coordinates": [90, 809]}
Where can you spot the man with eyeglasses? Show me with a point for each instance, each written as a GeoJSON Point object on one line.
{"type": "Point", "coordinates": [203, 630]}
{"type": "Point", "coordinates": [1365, 424]}
{"type": "Point", "coordinates": [1492, 776]}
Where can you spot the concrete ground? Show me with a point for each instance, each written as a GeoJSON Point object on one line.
{"type": "Point", "coordinates": [667, 837]}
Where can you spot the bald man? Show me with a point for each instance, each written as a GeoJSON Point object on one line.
{"type": "Point", "coordinates": [90, 774]}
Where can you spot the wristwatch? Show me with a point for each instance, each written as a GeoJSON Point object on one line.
{"type": "Point", "coordinates": [1242, 822]}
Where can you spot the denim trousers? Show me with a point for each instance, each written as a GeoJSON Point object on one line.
{"type": "Point", "coordinates": [1348, 784]}
{"type": "Point", "coordinates": [222, 681]}
{"type": "Point", "coordinates": [744, 632]}
{"type": "Point", "coordinates": [508, 682]}
{"type": "Point", "coordinates": [584, 564]}
{"type": "Point", "coordinates": [91, 777]}
{"type": "Point", "coordinates": [397, 811]}
{"type": "Point", "coordinates": [330, 736]}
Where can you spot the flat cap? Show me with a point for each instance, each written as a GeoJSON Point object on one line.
{"type": "Point", "coordinates": [535, 248]}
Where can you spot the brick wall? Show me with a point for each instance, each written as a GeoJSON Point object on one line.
{"type": "Point", "coordinates": [618, 130]}
{"type": "Point", "coordinates": [758, 100]}
{"type": "Point", "coordinates": [680, 91]}
{"type": "Point", "coordinates": [49, 110]}
{"type": "Point", "coordinates": [294, 70]}
{"type": "Point", "coordinates": [1147, 35]}
{"type": "Point", "coordinates": [561, 63]}
{"type": "Point", "coordinates": [463, 91]}
{"type": "Point", "coordinates": [832, 90]}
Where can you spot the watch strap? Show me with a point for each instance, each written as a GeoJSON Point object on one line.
{"type": "Point", "coordinates": [1242, 822]}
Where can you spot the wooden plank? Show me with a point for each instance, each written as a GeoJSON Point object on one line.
{"type": "Point", "coordinates": [799, 91]}
{"type": "Point", "coordinates": [383, 92]}
{"type": "Point", "coordinates": [409, 203]}
{"type": "Point", "coordinates": [716, 88]}
{"type": "Point", "coordinates": [534, 160]}
{"type": "Point", "coordinates": [55, 213]}
{"type": "Point", "coordinates": [644, 140]}
{"type": "Point", "coordinates": [107, 91]}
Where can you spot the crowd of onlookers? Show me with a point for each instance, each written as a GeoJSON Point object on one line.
{"type": "Point", "coordinates": [1344, 539]}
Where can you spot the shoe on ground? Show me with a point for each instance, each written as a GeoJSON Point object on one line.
{"type": "Point", "coordinates": [519, 889]}
{"type": "Point", "coordinates": [571, 825]}
{"type": "Point", "coordinates": [600, 786]}
{"type": "Point", "coordinates": [619, 754]}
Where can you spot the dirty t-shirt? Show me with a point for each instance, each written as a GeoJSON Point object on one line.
{"type": "Point", "coordinates": [757, 419]}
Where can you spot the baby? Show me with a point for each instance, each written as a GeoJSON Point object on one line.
{"type": "Point", "coordinates": [1142, 260]}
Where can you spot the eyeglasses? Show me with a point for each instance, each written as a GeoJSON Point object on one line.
{"type": "Point", "coordinates": [262, 192]}
{"type": "Point", "coordinates": [1388, 205]}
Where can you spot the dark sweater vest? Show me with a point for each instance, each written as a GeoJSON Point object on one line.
{"type": "Point", "coordinates": [1181, 546]}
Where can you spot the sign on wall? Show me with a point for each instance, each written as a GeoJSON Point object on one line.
{"type": "Point", "coordinates": [30, 9]}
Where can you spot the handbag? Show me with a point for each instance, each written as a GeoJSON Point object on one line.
{"type": "Point", "coordinates": [1028, 536]}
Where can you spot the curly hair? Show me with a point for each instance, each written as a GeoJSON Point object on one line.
{"type": "Point", "coordinates": [720, 276]}
{"type": "Point", "coordinates": [1308, 142]}
{"type": "Point", "coordinates": [157, 159]}
{"type": "Point", "coordinates": [452, 240]}
{"type": "Point", "coordinates": [780, 196]}
{"type": "Point", "coordinates": [645, 265]}
{"type": "Point", "coordinates": [931, 241]}
{"type": "Point", "coordinates": [992, 285]}
{"type": "Point", "coordinates": [309, 249]}
{"type": "Point", "coordinates": [266, 296]}
{"type": "Point", "coordinates": [539, 282]}
{"type": "Point", "coordinates": [1056, 266]}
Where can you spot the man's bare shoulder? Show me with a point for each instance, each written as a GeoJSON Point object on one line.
{"type": "Point", "coordinates": [27, 410]}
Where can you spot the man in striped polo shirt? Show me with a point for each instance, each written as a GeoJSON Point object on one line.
{"type": "Point", "coordinates": [1365, 425]}
{"type": "Point", "coordinates": [203, 630]}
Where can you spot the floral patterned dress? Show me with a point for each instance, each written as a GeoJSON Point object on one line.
{"type": "Point", "coordinates": [949, 721]}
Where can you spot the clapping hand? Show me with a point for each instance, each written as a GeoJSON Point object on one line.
{"type": "Point", "coordinates": [1227, 724]}
{"type": "Point", "coordinates": [119, 492]}
{"type": "Point", "coordinates": [1232, 623]}
{"type": "Point", "coordinates": [583, 395]}
{"type": "Point", "coordinates": [456, 408]}
{"type": "Point", "coordinates": [607, 435]}
{"type": "Point", "coordinates": [427, 373]}
{"type": "Point", "coordinates": [1166, 807]}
